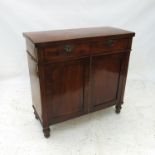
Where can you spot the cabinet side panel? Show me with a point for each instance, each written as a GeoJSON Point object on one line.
{"type": "Point", "coordinates": [31, 49]}
{"type": "Point", "coordinates": [35, 86]}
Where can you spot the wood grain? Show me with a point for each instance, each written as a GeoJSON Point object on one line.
{"type": "Point", "coordinates": [77, 71]}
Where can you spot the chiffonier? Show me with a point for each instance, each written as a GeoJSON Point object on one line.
{"type": "Point", "coordinates": [76, 71]}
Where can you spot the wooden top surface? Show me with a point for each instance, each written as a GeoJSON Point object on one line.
{"type": "Point", "coordinates": [69, 34]}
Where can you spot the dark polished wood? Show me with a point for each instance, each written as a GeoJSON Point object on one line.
{"type": "Point", "coordinates": [77, 71]}
{"type": "Point", "coordinates": [105, 78]}
{"type": "Point", "coordinates": [43, 37]}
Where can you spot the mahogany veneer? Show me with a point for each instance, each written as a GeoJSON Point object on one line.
{"type": "Point", "coordinates": [77, 71]}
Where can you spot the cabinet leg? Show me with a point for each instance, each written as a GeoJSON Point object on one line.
{"type": "Point", "coordinates": [118, 108]}
{"type": "Point", "coordinates": [46, 132]}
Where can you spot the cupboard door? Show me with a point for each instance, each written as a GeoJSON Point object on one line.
{"type": "Point", "coordinates": [66, 84]}
{"type": "Point", "coordinates": [105, 81]}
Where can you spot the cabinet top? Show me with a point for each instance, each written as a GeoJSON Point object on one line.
{"type": "Point", "coordinates": [70, 34]}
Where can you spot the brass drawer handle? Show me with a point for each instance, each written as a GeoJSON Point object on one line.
{"type": "Point", "coordinates": [68, 48]}
{"type": "Point", "coordinates": [110, 42]}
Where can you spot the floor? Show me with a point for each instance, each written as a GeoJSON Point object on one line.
{"type": "Point", "coordinates": [132, 132]}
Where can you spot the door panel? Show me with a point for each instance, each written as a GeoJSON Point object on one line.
{"type": "Point", "coordinates": [105, 78]}
{"type": "Point", "coordinates": [65, 85]}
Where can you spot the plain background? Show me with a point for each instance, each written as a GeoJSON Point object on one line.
{"type": "Point", "coordinates": [18, 16]}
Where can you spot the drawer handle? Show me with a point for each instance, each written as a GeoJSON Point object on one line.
{"type": "Point", "coordinates": [68, 48]}
{"type": "Point", "coordinates": [110, 42]}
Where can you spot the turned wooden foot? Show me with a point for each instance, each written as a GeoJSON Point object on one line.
{"type": "Point", "coordinates": [118, 109]}
{"type": "Point", "coordinates": [46, 132]}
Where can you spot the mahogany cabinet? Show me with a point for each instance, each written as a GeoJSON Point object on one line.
{"type": "Point", "coordinates": [76, 71]}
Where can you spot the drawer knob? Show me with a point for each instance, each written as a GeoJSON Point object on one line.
{"type": "Point", "coordinates": [110, 42]}
{"type": "Point", "coordinates": [68, 48]}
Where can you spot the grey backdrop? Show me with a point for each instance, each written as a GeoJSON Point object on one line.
{"type": "Point", "coordinates": [101, 133]}
{"type": "Point", "coordinates": [18, 16]}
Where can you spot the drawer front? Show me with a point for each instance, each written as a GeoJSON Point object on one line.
{"type": "Point", "coordinates": [65, 50]}
{"type": "Point", "coordinates": [108, 45]}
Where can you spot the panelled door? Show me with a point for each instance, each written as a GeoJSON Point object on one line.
{"type": "Point", "coordinates": [66, 88]}
{"type": "Point", "coordinates": [105, 79]}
